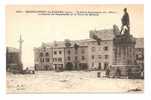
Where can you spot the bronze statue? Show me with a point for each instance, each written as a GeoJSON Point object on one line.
{"type": "Point", "coordinates": [125, 22]}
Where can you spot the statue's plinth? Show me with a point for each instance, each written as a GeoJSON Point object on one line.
{"type": "Point", "coordinates": [124, 56]}
{"type": "Point", "coordinates": [127, 71]}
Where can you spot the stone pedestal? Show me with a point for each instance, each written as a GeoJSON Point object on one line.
{"type": "Point", "coordinates": [124, 56]}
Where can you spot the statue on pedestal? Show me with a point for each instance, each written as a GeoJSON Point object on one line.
{"type": "Point", "coordinates": [125, 28]}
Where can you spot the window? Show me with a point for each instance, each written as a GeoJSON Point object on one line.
{"type": "Point", "coordinates": [99, 56]}
{"type": "Point", "coordinates": [55, 52]}
{"type": "Point", "coordinates": [60, 59]}
{"type": "Point", "coordinates": [76, 51]}
{"type": "Point", "coordinates": [47, 59]}
{"type": "Point", "coordinates": [82, 51]}
{"type": "Point", "coordinates": [106, 65]}
{"type": "Point", "coordinates": [41, 60]}
{"type": "Point", "coordinates": [92, 56]}
{"type": "Point", "coordinates": [60, 52]}
{"type": "Point", "coordinates": [83, 57]}
{"type": "Point", "coordinates": [106, 56]}
{"type": "Point", "coordinates": [105, 48]}
{"type": "Point", "coordinates": [69, 58]}
{"type": "Point", "coordinates": [47, 54]}
{"type": "Point", "coordinates": [99, 66]}
{"type": "Point", "coordinates": [41, 54]}
{"type": "Point", "coordinates": [92, 64]}
{"type": "Point", "coordinates": [93, 49]}
{"type": "Point", "coordinates": [54, 59]}
{"type": "Point", "coordinates": [76, 58]}
{"type": "Point", "coordinates": [68, 51]}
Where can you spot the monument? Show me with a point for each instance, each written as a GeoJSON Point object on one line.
{"type": "Point", "coordinates": [20, 53]}
{"type": "Point", "coordinates": [124, 52]}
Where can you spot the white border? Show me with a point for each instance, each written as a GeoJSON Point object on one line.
{"type": "Point", "coordinates": [147, 50]}
{"type": "Point", "coordinates": [73, 1]}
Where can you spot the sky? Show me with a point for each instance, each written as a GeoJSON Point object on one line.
{"type": "Point", "coordinates": [36, 29]}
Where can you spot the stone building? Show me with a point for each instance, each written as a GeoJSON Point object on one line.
{"type": "Point", "coordinates": [71, 56]}
{"type": "Point", "coordinates": [139, 52]}
{"type": "Point", "coordinates": [43, 57]}
{"type": "Point", "coordinates": [13, 61]}
{"type": "Point", "coordinates": [95, 53]}
{"type": "Point", "coordinates": [76, 57]}
{"type": "Point", "coordinates": [89, 54]}
{"type": "Point", "coordinates": [58, 57]}
{"type": "Point", "coordinates": [101, 54]}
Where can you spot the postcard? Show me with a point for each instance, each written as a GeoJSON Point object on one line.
{"type": "Point", "coordinates": [75, 48]}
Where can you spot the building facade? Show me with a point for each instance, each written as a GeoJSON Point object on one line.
{"type": "Point", "coordinates": [76, 58]}
{"type": "Point", "coordinates": [95, 53]}
{"type": "Point", "coordinates": [139, 52]}
{"type": "Point", "coordinates": [58, 58]}
{"type": "Point", "coordinates": [13, 61]}
{"type": "Point", "coordinates": [43, 57]}
{"type": "Point", "coordinates": [101, 54]}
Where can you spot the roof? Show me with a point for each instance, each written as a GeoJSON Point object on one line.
{"type": "Point", "coordinates": [61, 44]}
{"type": "Point", "coordinates": [105, 34]}
{"type": "Point", "coordinates": [58, 44]}
{"type": "Point", "coordinates": [139, 43]}
{"type": "Point", "coordinates": [12, 49]}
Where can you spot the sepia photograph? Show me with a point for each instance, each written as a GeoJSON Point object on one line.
{"type": "Point", "coordinates": [75, 48]}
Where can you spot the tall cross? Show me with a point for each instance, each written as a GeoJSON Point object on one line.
{"type": "Point", "coordinates": [20, 47]}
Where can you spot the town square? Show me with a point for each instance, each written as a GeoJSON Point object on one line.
{"type": "Point", "coordinates": [44, 57]}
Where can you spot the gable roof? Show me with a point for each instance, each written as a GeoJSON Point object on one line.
{"type": "Point", "coordinates": [12, 50]}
